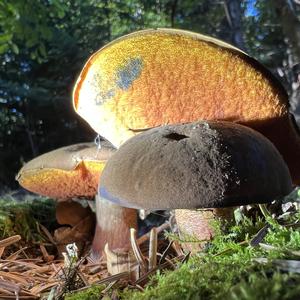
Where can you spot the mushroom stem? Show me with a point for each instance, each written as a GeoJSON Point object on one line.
{"type": "Point", "coordinates": [113, 226]}
{"type": "Point", "coordinates": [198, 224]}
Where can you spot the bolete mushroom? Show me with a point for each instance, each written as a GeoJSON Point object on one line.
{"type": "Point", "coordinates": [185, 167]}
{"type": "Point", "coordinates": [67, 173]}
{"type": "Point", "coordinates": [167, 76]}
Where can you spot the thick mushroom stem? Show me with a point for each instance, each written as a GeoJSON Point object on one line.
{"type": "Point", "coordinates": [113, 226]}
{"type": "Point", "coordinates": [199, 224]}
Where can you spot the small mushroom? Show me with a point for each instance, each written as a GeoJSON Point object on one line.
{"type": "Point", "coordinates": [166, 76]}
{"type": "Point", "coordinates": [67, 173]}
{"type": "Point", "coordinates": [203, 165]}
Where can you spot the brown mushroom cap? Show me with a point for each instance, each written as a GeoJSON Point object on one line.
{"type": "Point", "coordinates": [67, 172]}
{"type": "Point", "coordinates": [196, 165]}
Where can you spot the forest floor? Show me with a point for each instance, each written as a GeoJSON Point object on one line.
{"type": "Point", "coordinates": [257, 256]}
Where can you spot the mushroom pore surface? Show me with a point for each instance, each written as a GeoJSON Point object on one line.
{"type": "Point", "coordinates": [67, 172]}
{"type": "Point", "coordinates": [195, 165]}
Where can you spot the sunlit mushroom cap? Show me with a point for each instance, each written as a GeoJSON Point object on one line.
{"type": "Point", "coordinates": [67, 172]}
{"type": "Point", "coordinates": [166, 76]}
{"type": "Point", "coordinates": [203, 164]}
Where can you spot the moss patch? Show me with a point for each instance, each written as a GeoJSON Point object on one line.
{"type": "Point", "coordinates": [92, 293]}
{"type": "Point", "coordinates": [22, 217]}
{"type": "Point", "coordinates": [230, 268]}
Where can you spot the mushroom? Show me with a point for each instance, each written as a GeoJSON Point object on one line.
{"type": "Point", "coordinates": [67, 173]}
{"type": "Point", "coordinates": [204, 165]}
{"type": "Point", "coordinates": [167, 76]}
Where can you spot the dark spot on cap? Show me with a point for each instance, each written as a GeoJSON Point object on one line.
{"type": "Point", "coordinates": [129, 72]}
{"type": "Point", "coordinates": [175, 136]}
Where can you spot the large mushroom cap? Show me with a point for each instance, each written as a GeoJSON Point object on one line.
{"type": "Point", "coordinates": [67, 172]}
{"type": "Point", "coordinates": [166, 76]}
{"type": "Point", "coordinates": [204, 164]}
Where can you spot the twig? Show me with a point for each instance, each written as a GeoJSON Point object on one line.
{"type": "Point", "coordinates": [9, 241]}
{"type": "Point", "coordinates": [259, 236]}
{"type": "Point", "coordinates": [176, 246]}
{"type": "Point", "coordinates": [15, 255]}
{"type": "Point", "coordinates": [109, 287]}
{"type": "Point", "coordinates": [146, 236]}
{"type": "Point", "coordinates": [153, 248]}
{"type": "Point", "coordinates": [47, 233]}
{"type": "Point", "coordinates": [83, 279]}
{"type": "Point", "coordinates": [45, 253]}
{"type": "Point", "coordinates": [15, 288]}
{"type": "Point", "coordinates": [270, 248]}
{"type": "Point", "coordinates": [140, 129]}
{"type": "Point", "coordinates": [137, 251]}
{"type": "Point", "coordinates": [112, 278]}
{"type": "Point", "coordinates": [165, 252]}
{"type": "Point", "coordinates": [230, 249]}
{"type": "Point", "coordinates": [162, 266]}
{"type": "Point", "coordinates": [186, 258]}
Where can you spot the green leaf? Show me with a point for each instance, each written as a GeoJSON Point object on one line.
{"type": "Point", "coordinates": [4, 38]}
{"type": "Point", "coordinates": [61, 14]}
{"type": "Point", "coordinates": [15, 48]}
{"type": "Point", "coordinates": [3, 48]}
{"type": "Point", "coordinates": [42, 50]}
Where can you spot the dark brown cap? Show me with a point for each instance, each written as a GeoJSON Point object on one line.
{"type": "Point", "coordinates": [67, 172]}
{"type": "Point", "coordinates": [196, 165]}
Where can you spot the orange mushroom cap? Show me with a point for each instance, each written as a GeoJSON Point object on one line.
{"type": "Point", "coordinates": [67, 172]}
{"type": "Point", "coordinates": [166, 76]}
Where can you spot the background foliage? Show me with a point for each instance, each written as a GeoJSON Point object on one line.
{"type": "Point", "coordinates": [44, 44]}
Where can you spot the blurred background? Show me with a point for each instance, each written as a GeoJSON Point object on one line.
{"type": "Point", "coordinates": [45, 43]}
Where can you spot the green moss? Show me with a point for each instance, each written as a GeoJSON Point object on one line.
{"type": "Point", "coordinates": [21, 217]}
{"type": "Point", "coordinates": [92, 293]}
{"type": "Point", "coordinates": [228, 269]}
{"type": "Point", "coordinates": [259, 286]}
{"type": "Point", "coordinates": [284, 237]}
{"type": "Point", "coordinates": [205, 277]}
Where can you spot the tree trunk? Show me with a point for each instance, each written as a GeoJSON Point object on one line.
{"type": "Point", "coordinates": [291, 29]}
{"type": "Point", "coordinates": [233, 13]}
{"type": "Point", "coordinates": [173, 12]}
